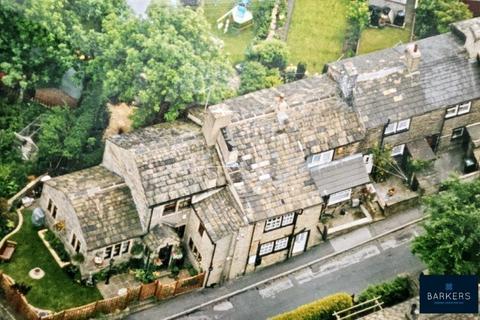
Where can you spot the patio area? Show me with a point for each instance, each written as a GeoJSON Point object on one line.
{"type": "Point", "coordinates": [118, 285]}
{"type": "Point", "coordinates": [394, 195]}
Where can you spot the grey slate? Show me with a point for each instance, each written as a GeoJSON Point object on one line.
{"type": "Point", "coordinates": [160, 236]}
{"type": "Point", "coordinates": [340, 175]}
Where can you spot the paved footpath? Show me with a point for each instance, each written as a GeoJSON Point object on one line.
{"type": "Point", "coordinates": [176, 307]}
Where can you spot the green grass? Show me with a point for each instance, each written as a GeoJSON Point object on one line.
{"type": "Point", "coordinates": [236, 42]}
{"type": "Point", "coordinates": [377, 39]}
{"type": "Point", "coordinates": [55, 291]}
{"type": "Point", "coordinates": [317, 32]}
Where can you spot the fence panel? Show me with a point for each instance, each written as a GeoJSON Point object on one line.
{"type": "Point", "coordinates": [147, 290]}
{"type": "Point", "coordinates": [112, 304]}
{"type": "Point", "coordinates": [133, 295]}
{"type": "Point", "coordinates": [166, 291]}
{"type": "Point", "coordinates": [83, 312]}
{"type": "Point", "coordinates": [16, 300]}
{"type": "Point", "coordinates": [189, 284]}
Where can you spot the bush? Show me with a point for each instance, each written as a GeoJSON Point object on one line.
{"type": "Point", "coordinates": [391, 292]}
{"type": "Point", "coordinates": [78, 258]}
{"type": "Point", "coordinates": [270, 53]}
{"type": "Point", "coordinates": [72, 272]}
{"type": "Point", "coordinates": [22, 287]}
{"type": "Point", "coordinates": [262, 15]}
{"type": "Point", "coordinates": [255, 77]}
{"type": "Point", "coordinates": [318, 310]}
{"type": "Point", "coordinates": [57, 245]}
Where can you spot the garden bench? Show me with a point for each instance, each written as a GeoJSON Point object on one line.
{"type": "Point", "coordinates": [6, 251]}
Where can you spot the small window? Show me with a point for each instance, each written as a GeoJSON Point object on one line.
{"type": "Point", "coordinates": [108, 253]}
{"type": "Point", "coordinates": [116, 249]}
{"type": "Point", "coordinates": [126, 247]}
{"type": "Point", "coordinates": [77, 249]}
{"type": "Point", "coordinates": [281, 244]}
{"type": "Point", "coordinates": [451, 112]}
{"type": "Point", "coordinates": [199, 257]}
{"type": "Point", "coordinates": [464, 108]}
{"type": "Point", "coordinates": [403, 125]}
{"type": "Point", "coordinates": [322, 158]}
{"type": "Point", "coordinates": [273, 223]}
{"type": "Point", "coordinates": [201, 229]}
{"type": "Point", "coordinates": [184, 203]}
{"type": "Point", "coordinates": [54, 213]}
{"type": "Point", "coordinates": [458, 133]}
{"type": "Point", "coordinates": [266, 248]}
{"type": "Point", "coordinates": [170, 208]}
{"type": "Point", "coordinates": [339, 196]}
{"type": "Point", "coordinates": [49, 207]}
{"type": "Point", "coordinates": [190, 244]}
{"type": "Point", "coordinates": [391, 128]}
{"type": "Point", "coordinates": [74, 239]}
{"type": "Point", "coordinates": [195, 251]}
{"type": "Point", "coordinates": [288, 218]}
{"type": "Point", "coordinates": [398, 150]}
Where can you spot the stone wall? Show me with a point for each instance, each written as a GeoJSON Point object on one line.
{"type": "Point", "coordinates": [122, 163]}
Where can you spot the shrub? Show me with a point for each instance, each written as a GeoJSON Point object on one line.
{"type": "Point", "coordinates": [318, 310]}
{"type": "Point", "coordinates": [137, 248]}
{"type": "Point", "coordinates": [78, 258]}
{"type": "Point", "coordinates": [255, 77]}
{"type": "Point", "coordinates": [391, 292]}
{"type": "Point", "coordinates": [72, 271]}
{"type": "Point", "coordinates": [22, 287]}
{"type": "Point", "coordinates": [144, 276]}
{"type": "Point", "coordinates": [191, 270]}
{"type": "Point", "coordinates": [57, 245]}
{"type": "Point", "coordinates": [262, 15]}
{"type": "Point", "coordinates": [270, 53]}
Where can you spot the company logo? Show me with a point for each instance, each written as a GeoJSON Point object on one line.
{"type": "Point", "coordinates": [448, 294]}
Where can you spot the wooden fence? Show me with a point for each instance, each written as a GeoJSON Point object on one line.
{"type": "Point", "coordinates": [145, 291]}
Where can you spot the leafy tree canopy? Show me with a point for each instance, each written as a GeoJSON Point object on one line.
{"type": "Point", "coordinates": [163, 64]}
{"type": "Point", "coordinates": [270, 53]}
{"type": "Point", "coordinates": [450, 242]}
{"type": "Point", "coordinates": [255, 76]}
{"type": "Point", "coordinates": [434, 16]}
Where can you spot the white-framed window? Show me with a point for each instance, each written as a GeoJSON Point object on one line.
{"type": "Point", "coordinates": [397, 127]}
{"type": "Point", "coordinates": [398, 150]}
{"type": "Point", "coordinates": [281, 244]}
{"type": "Point", "coordinates": [273, 223]}
{"type": "Point", "coordinates": [126, 247]}
{"type": "Point", "coordinates": [451, 112]}
{"type": "Point", "coordinates": [108, 252]}
{"type": "Point", "coordinates": [391, 128]}
{"type": "Point", "coordinates": [458, 132]}
{"type": "Point", "coordinates": [116, 249]}
{"type": "Point", "coordinates": [340, 196]}
{"type": "Point", "coordinates": [321, 158]}
{"type": "Point", "coordinates": [288, 218]}
{"type": "Point", "coordinates": [464, 108]}
{"type": "Point", "coordinates": [403, 125]}
{"type": "Point", "coordinates": [458, 110]}
{"type": "Point", "coordinates": [266, 248]}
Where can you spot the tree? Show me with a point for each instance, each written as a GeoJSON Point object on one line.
{"type": "Point", "coordinates": [255, 76]}
{"type": "Point", "coordinates": [450, 242]}
{"type": "Point", "coordinates": [163, 64]}
{"type": "Point", "coordinates": [434, 16]}
{"type": "Point", "coordinates": [270, 53]}
{"type": "Point", "coordinates": [358, 14]}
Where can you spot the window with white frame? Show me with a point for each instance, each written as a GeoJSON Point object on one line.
{"type": "Point", "coordinates": [266, 248]}
{"type": "Point", "coordinates": [126, 247]}
{"type": "Point", "coordinates": [273, 223]}
{"type": "Point", "coordinates": [458, 110]}
{"type": "Point", "coordinates": [108, 252]}
{"type": "Point", "coordinates": [398, 150]}
{"type": "Point", "coordinates": [116, 249]}
{"type": "Point", "coordinates": [458, 133]}
{"type": "Point", "coordinates": [281, 221]}
{"type": "Point", "coordinates": [288, 218]}
{"type": "Point", "coordinates": [339, 196]}
{"type": "Point", "coordinates": [397, 127]}
{"type": "Point", "coordinates": [281, 244]}
{"type": "Point", "coordinates": [321, 158]}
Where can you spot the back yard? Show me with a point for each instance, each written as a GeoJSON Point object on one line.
{"type": "Point", "coordinates": [55, 291]}
{"type": "Point", "coordinates": [377, 39]}
{"type": "Point", "coordinates": [316, 33]}
{"type": "Point", "coordinates": [235, 41]}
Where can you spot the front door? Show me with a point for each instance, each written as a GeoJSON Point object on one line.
{"type": "Point", "coordinates": [300, 242]}
{"type": "Point", "coordinates": [164, 255]}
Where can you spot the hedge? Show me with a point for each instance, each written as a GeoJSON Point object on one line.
{"type": "Point", "coordinates": [391, 292]}
{"type": "Point", "coordinates": [319, 310]}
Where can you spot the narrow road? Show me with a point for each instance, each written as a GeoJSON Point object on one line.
{"type": "Point", "coordinates": [351, 272]}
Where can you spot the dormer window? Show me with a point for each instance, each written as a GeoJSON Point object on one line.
{"type": "Point", "coordinates": [170, 208]}
{"type": "Point", "coordinates": [174, 206]}
{"type": "Point", "coordinates": [321, 158]}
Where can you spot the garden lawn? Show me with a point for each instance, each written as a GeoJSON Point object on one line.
{"type": "Point", "coordinates": [55, 291]}
{"type": "Point", "coordinates": [317, 32]}
{"type": "Point", "coordinates": [236, 42]}
{"type": "Point", "coordinates": [377, 39]}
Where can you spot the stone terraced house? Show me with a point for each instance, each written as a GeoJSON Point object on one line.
{"type": "Point", "coordinates": [242, 184]}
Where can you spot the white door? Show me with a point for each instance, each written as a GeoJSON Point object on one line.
{"type": "Point", "coordinates": [300, 242]}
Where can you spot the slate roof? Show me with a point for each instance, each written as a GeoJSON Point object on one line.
{"type": "Point", "coordinates": [340, 175]}
{"type": "Point", "coordinates": [220, 215]}
{"type": "Point", "coordinates": [160, 236]}
{"type": "Point", "coordinates": [173, 160]}
{"type": "Point", "coordinates": [385, 89]}
{"type": "Point", "coordinates": [103, 204]}
{"type": "Point", "coordinates": [271, 176]}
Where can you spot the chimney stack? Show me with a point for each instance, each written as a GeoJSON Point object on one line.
{"type": "Point", "coordinates": [217, 117]}
{"type": "Point", "coordinates": [413, 57]}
